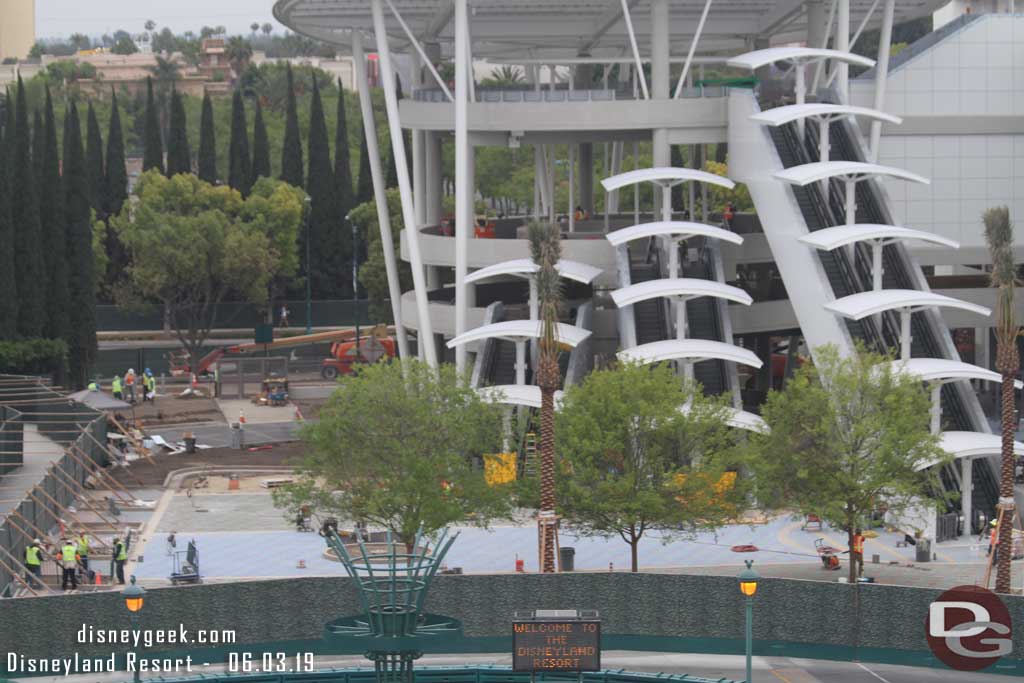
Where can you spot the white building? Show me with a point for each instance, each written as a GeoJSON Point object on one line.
{"type": "Point", "coordinates": [862, 187]}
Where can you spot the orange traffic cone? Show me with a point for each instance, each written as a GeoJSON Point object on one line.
{"type": "Point", "coordinates": [99, 579]}
{"type": "Point", "coordinates": [241, 417]}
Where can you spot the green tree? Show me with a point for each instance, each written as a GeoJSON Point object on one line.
{"type": "Point", "coordinates": [28, 255]}
{"type": "Point", "coordinates": [999, 236]}
{"type": "Point", "coordinates": [124, 46]}
{"type": "Point", "coordinates": [291, 152]}
{"type": "Point", "coordinates": [95, 174]}
{"type": "Point", "coordinates": [179, 157]}
{"type": "Point", "coordinates": [546, 250]}
{"type": "Point", "coordinates": [153, 146]}
{"type": "Point", "coordinates": [399, 479]}
{"type": "Point", "coordinates": [115, 192]}
{"type": "Point", "coordinates": [239, 162]}
{"type": "Point", "coordinates": [372, 272]}
{"type": "Point", "coordinates": [207, 143]}
{"type": "Point", "coordinates": [238, 52]}
{"type": "Point", "coordinates": [327, 241]}
{"type": "Point", "coordinates": [634, 462]}
{"type": "Point", "coordinates": [364, 190]}
{"type": "Point", "coordinates": [81, 334]}
{"type": "Point", "coordinates": [192, 244]}
{"type": "Point", "coordinates": [52, 221]}
{"type": "Point", "coordinates": [8, 281]}
{"type": "Point", "coordinates": [342, 159]}
{"type": "Point", "coordinates": [260, 146]}
{"type": "Point", "coordinates": [849, 437]}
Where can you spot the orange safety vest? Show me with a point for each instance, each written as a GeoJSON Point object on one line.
{"type": "Point", "coordinates": [858, 544]}
{"type": "Point", "coordinates": [993, 538]}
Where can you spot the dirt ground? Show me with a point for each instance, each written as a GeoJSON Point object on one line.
{"type": "Point", "coordinates": [169, 410]}
{"type": "Point", "coordinates": [153, 474]}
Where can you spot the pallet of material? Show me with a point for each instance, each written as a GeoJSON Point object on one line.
{"type": "Point", "coordinates": [275, 483]}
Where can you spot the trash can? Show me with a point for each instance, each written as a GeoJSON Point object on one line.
{"type": "Point", "coordinates": [237, 436]}
{"type": "Point", "coordinates": [923, 550]}
{"type": "Point", "coordinates": [233, 483]}
{"type": "Point", "coordinates": [567, 558]}
{"type": "Point", "coordinates": [190, 444]}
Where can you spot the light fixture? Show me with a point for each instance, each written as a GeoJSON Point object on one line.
{"type": "Point", "coordinates": [748, 580]}
{"type": "Point", "coordinates": [133, 596]}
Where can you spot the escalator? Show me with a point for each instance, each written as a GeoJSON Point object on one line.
{"type": "Point", "coordinates": [651, 323]}
{"type": "Point", "coordinates": [502, 366]}
{"type": "Point", "coordinates": [703, 322]}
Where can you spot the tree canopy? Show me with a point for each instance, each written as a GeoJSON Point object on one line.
{"type": "Point", "coordinates": [398, 449]}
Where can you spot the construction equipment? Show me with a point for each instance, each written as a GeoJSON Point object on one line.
{"type": "Point", "coordinates": [274, 392]}
{"type": "Point", "coordinates": [186, 565]}
{"type": "Point", "coordinates": [829, 555]}
{"type": "Point", "coordinates": [179, 360]}
{"type": "Point", "coordinates": [346, 355]}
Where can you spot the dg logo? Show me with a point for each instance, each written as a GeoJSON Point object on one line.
{"type": "Point", "coordinates": [968, 628]}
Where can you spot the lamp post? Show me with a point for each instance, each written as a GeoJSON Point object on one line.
{"type": "Point", "coordinates": [306, 210]}
{"type": "Point", "coordinates": [355, 279]}
{"type": "Point", "coordinates": [134, 596]}
{"type": "Point", "coordinates": [748, 586]}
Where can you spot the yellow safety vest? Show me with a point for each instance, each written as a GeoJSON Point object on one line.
{"type": "Point", "coordinates": [67, 556]}
{"type": "Point", "coordinates": [120, 553]}
{"type": "Point", "coordinates": [115, 386]}
{"type": "Point", "coordinates": [32, 556]}
{"type": "Point", "coordinates": [83, 546]}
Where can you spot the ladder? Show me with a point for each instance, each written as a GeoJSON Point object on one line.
{"type": "Point", "coordinates": [530, 455]}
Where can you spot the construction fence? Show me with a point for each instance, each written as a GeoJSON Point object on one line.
{"type": "Point", "coordinates": [243, 315]}
{"type": "Point", "coordinates": [34, 491]}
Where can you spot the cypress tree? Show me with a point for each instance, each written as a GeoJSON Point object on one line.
{"type": "Point", "coordinates": [344, 194]}
{"type": "Point", "coordinates": [391, 179]}
{"type": "Point", "coordinates": [81, 335]}
{"type": "Point", "coordinates": [152, 144]}
{"type": "Point", "coordinates": [95, 175]}
{"type": "Point", "coordinates": [239, 163]}
{"type": "Point", "coordinates": [8, 283]}
{"type": "Point", "coordinates": [364, 190]}
{"type": "Point", "coordinates": [260, 146]}
{"type": "Point", "coordinates": [207, 143]}
{"type": "Point", "coordinates": [325, 240]}
{"type": "Point", "coordinates": [115, 185]}
{"type": "Point", "coordinates": [38, 145]}
{"type": "Point", "coordinates": [51, 215]}
{"type": "Point", "coordinates": [291, 152]}
{"type": "Point", "coordinates": [179, 157]}
{"type": "Point", "coordinates": [28, 263]}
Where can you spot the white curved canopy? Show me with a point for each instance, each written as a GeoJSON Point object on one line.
{"type": "Point", "coordinates": [680, 229]}
{"type": "Point", "coordinates": [741, 419]}
{"type": "Point", "coordinates": [572, 270]}
{"type": "Point", "coordinates": [806, 174]}
{"type": "Point", "coordinates": [516, 395]}
{"type": "Point", "coordinates": [759, 58]}
{"type": "Point", "coordinates": [943, 369]}
{"type": "Point", "coordinates": [520, 329]}
{"type": "Point", "coordinates": [679, 287]}
{"type": "Point", "coordinates": [863, 304]}
{"type": "Point", "coordinates": [970, 445]}
{"type": "Point", "coordinates": [794, 112]}
{"type": "Point", "coordinates": [840, 236]}
{"type": "Point", "coordinates": [668, 175]}
{"type": "Point", "coordinates": [694, 350]}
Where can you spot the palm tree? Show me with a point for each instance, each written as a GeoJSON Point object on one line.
{"type": "Point", "coordinates": [999, 236]}
{"type": "Point", "coordinates": [507, 75]}
{"type": "Point", "coordinates": [546, 250]}
{"type": "Point", "coordinates": [254, 26]}
{"type": "Point", "coordinates": [267, 28]}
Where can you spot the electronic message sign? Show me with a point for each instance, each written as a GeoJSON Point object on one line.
{"type": "Point", "coordinates": [568, 645]}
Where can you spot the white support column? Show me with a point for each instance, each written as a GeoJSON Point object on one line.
{"type": "Point", "coordinates": [967, 493]}
{"type": "Point", "coordinates": [379, 195]}
{"type": "Point", "coordinates": [660, 86]}
{"type": "Point", "coordinates": [434, 174]}
{"type": "Point", "coordinates": [936, 408]}
{"type": "Point", "coordinates": [520, 361]}
{"type": "Point", "coordinates": [876, 264]}
{"type": "Point", "coordinates": [824, 150]}
{"type": "Point", "coordinates": [387, 75]}
{"type": "Point", "coordinates": [463, 194]}
{"type": "Point", "coordinates": [636, 188]}
{"type": "Point", "coordinates": [693, 48]}
{"type": "Point", "coordinates": [636, 50]}
{"type": "Point", "coordinates": [882, 74]}
{"type": "Point", "coordinates": [550, 163]}
{"type": "Point", "coordinates": [851, 201]}
{"type": "Point", "coordinates": [800, 90]}
{"type": "Point", "coordinates": [419, 171]}
{"type": "Point", "coordinates": [843, 45]}
{"type": "Point", "coordinates": [905, 338]}
{"type": "Point", "coordinates": [616, 168]}
{"type": "Point", "coordinates": [534, 302]}
{"type": "Point", "coordinates": [672, 244]}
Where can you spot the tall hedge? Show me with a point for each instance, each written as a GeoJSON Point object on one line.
{"type": "Point", "coordinates": [28, 253]}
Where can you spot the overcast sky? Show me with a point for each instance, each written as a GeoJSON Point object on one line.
{"type": "Point", "coordinates": [95, 17]}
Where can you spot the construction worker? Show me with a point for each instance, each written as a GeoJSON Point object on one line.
{"type": "Point", "coordinates": [34, 563]}
{"type": "Point", "coordinates": [857, 552]}
{"type": "Point", "coordinates": [68, 558]}
{"type": "Point", "coordinates": [93, 386]}
{"type": "Point", "coordinates": [83, 550]}
{"type": "Point", "coordinates": [148, 385]}
{"type": "Point", "coordinates": [129, 384]}
{"type": "Point", "coordinates": [115, 387]}
{"type": "Point", "coordinates": [993, 541]}
{"type": "Point", "coordinates": [728, 214]}
{"type": "Point", "coordinates": [284, 316]}
{"type": "Point", "coordinates": [120, 556]}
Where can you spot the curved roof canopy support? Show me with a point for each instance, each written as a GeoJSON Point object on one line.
{"type": "Point", "coordinates": [515, 330]}
{"type": "Point", "coordinates": [945, 370]}
{"type": "Point", "coordinates": [664, 176]}
{"type": "Point", "coordinates": [846, 170]}
{"type": "Point", "coordinates": [674, 229]}
{"type": "Point", "coordinates": [691, 350]}
{"type": "Point", "coordinates": [863, 304]}
{"type": "Point", "coordinates": [833, 238]}
{"type": "Point", "coordinates": [970, 445]}
{"type": "Point", "coordinates": [682, 288]}
{"type": "Point", "coordinates": [741, 419]}
{"type": "Point", "coordinates": [807, 55]}
{"type": "Point", "coordinates": [571, 270]}
{"type": "Point", "coordinates": [819, 110]}
{"type": "Point", "coordinates": [516, 395]}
